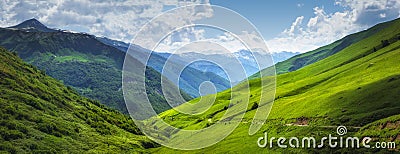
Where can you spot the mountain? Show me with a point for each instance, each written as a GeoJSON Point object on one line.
{"type": "Point", "coordinates": [41, 115]}
{"type": "Point", "coordinates": [32, 25]}
{"type": "Point", "coordinates": [283, 55]}
{"type": "Point", "coordinates": [116, 44]}
{"type": "Point", "coordinates": [357, 87]}
{"type": "Point", "coordinates": [81, 61]}
{"type": "Point", "coordinates": [190, 78]}
{"type": "Point", "coordinates": [229, 62]}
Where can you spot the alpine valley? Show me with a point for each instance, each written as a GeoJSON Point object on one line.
{"type": "Point", "coordinates": [354, 82]}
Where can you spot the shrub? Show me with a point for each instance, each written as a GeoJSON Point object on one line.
{"type": "Point", "coordinates": [385, 43]}
{"type": "Point", "coordinates": [254, 106]}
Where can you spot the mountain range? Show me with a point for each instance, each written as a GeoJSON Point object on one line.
{"type": "Point", "coordinates": [189, 79]}
{"type": "Point", "coordinates": [78, 60]}
{"type": "Point", "coordinates": [353, 82]}
{"type": "Point", "coordinates": [225, 61]}
{"type": "Point", "coordinates": [232, 63]}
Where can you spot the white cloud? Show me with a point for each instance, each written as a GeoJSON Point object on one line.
{"type": "Point", "coordinates": [312, 22]}
{"type": "Point", "coordinates": [181, 41]}
{"type": "Point", "coordinates": [369, 12]}
{"type": "Point", "coordinates": [296, 25]}
{"type": "Point", "coordinates": [115, 19]}
{"type": "Point", "coordinates": [122, 20]}
{"type": "Point", "coordinates": [324, 28]}
{"type": "Point", "coordinates": [300, 5]}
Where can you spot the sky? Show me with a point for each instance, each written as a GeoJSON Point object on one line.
{"type": "Point", "coordinates": [273, 18]}
{"type": "Point", "coordinates": [285, 25]}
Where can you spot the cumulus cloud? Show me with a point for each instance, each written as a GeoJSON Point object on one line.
{"type": "Point", "coordinates": [324, 28]}
{"type": "Point", "coordinates": [115, 19]}
{"type": "Point", "coordinates": [121, 20]}
{"type": "Point", "coordinates": [296, 25]}
{"type": "Point", "coordinates": [180, 41]}
{"type": "Point", "coordinates": [367, 12]}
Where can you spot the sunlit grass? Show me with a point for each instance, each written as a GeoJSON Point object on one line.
{"type": "Point", "coordinates": [353, 87]}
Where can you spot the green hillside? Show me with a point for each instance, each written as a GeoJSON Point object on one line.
{"type": "Point", "coordinates": [40, 115]}
{"type": "Point", "coordinates": [82, 62]}
{"type": "Point", "coordinates": [302, 60]}
{"type": "Point", "coordinates": [353, 87]}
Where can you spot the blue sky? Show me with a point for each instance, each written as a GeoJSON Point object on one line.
{"type": "Point", "coordinates": [303, 25]}
{"type": "Point", "coordinates": [273, 17]}
{"type": "Point", "coordinates": [286, 25]}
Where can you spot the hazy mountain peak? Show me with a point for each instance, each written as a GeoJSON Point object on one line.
{"type": "Point", "coordinates": [32, 25]}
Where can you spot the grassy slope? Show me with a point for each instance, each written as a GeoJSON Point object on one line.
{"type": "Point", "coordinates": [81, 61]}
{"type": "Point", "coordinates": [353, 87]}
{"type": "Point", "coordinates": [383, 130]}
{"type": "Point", "coordinates": [302, 60]}
{"type": "Point", "coordinates": [40, 114]}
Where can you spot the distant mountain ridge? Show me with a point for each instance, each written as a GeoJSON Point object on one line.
{"type": "Point", "coordinates": [190, 78]}
{"type": "Point", "coordinates": [246, 58]}
{"type": "Point", "coordinates": [234, 62]}
{"type": "Point", "coordinates": [283, 55]}
{"type": "Point", "coordinates": [32, 25]}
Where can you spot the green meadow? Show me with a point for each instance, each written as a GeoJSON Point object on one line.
{"type": "Point", "coordinates": [357, 87]}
